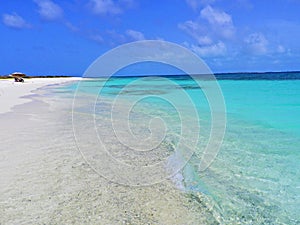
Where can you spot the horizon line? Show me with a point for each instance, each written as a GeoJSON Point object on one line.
{"type": "Point", "coordinates": [139, 75]}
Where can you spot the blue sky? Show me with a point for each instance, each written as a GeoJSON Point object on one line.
{"type": "Point", "coordinates": [44, 37]}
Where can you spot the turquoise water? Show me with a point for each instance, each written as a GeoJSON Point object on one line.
{"type": "Point", "coordinates": [255, 179]}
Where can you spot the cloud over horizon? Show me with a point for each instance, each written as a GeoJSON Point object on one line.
{"type": "Point", "coordinates": [220, 21]}
{"type": "Point", "coordinates": [217, 49]}
{"type": "Point", "coordinates": [214, 34]}
{"type": "Point", "coordinates": [257, 44]}
{"type": "Point", "coordinates": [209, 30]}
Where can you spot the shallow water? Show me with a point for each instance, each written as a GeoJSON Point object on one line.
{"type": "Point", "coordinates": [255, 179]}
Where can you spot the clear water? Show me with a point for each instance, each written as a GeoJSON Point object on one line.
{"type": "Point", "coordinates": [255, 178]}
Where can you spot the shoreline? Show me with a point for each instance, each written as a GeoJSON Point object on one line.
{"type": "Point", "coordinates": [47, 180]}
{"type": "Point", "coordinates": [13, 93]}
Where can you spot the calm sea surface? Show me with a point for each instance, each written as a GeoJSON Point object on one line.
{"type": "Point", "coordinates": [255, 178]}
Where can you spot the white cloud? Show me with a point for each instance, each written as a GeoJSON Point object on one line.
{"type": "Point", "coordinates": [211, 30]}
{"type": "Point", "coordinates": [197, 31]}
{"type": "Point", "coordinates": [98, 38]}
{"type": "Point", "coordinates": [49, 10]}
{"type": "Point", "coordinates": [14, 21]}
{"type": "Point", "coordinates": [281, 49]}
{"type": "Point", "coordinates": [205, 40]}
{"type": "Point", "coordinates": [135, 35]}
{"type": "Point", "coordinates": [215, 16]}
{"type": "Point", "coordinates": [110, 7]}
{"type": "Point", "coordinates": [72, 27]}
{"type": "Point", "coordinates": [115, 37]}
{"type": "Point", "coordinates": [103, 7]}
{"type": "Point", "coordinates": [217, 49]}
{"type": "Point", "coordinates": [195, 4]}
{"type": "Point", "coordinates": [220, 21]}
{"type": "Point", "coordinates": [256, 43]}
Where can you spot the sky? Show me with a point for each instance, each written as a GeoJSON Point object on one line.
{"type": "Point", "coordinates": [63, 37]}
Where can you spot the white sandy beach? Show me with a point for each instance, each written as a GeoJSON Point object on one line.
{"type": "Point", "coordinates": [14, 94]}
{"type": "Point", "coordinates": [11, 92]}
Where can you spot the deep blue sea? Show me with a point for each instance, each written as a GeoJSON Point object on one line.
{"type": "Point", "coordinates": [255, 178]}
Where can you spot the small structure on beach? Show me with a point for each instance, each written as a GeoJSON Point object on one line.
{"type": "Point", "coordinates": [18, 76]}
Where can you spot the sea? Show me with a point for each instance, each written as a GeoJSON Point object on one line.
{"type": "Point", "coordinates": [254, 177]}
